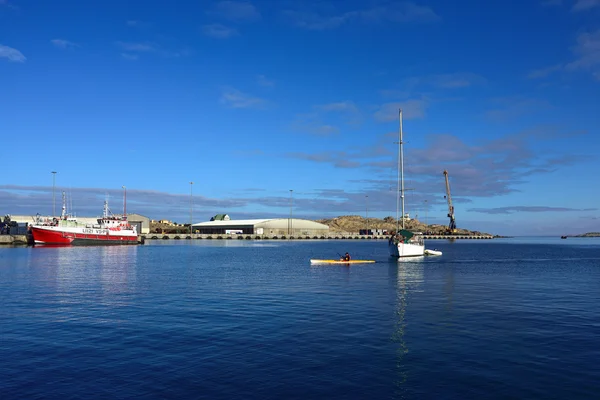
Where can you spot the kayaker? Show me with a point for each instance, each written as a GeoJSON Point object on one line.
{"type": "Point", "coordinates": [346, 257]}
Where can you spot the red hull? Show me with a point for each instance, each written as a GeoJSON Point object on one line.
{"type": "Point", "coordinates": [47, 236]}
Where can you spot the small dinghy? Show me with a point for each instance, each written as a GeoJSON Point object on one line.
{"type": "Point", "coordinates": [429, 252]}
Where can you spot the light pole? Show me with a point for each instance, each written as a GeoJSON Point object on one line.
{"type": "Point", "coordinates": [367, 211]}
{"type": "Point", "coordinates": [53, 198]}
{"type": "Point", "coordinates": [191, 207]}
{"type": "Point", "coordinates": [291, 202]}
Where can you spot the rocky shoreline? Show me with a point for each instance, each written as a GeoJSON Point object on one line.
{"type": "Point", "coordinates": [356, 223]}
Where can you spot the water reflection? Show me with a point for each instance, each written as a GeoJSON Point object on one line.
{"type": "Point", "coordinates": [407, 276]}
{"type": "Point", "coordinates": [117, 270]}
{"type": "Point", "coordinates": [81, 272]}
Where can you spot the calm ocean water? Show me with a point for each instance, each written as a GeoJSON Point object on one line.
{"type": "Point", "coordinates": [503, 319]}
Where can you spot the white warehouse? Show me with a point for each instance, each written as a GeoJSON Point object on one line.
{"type": "Point", "coordinates": [271, 227]}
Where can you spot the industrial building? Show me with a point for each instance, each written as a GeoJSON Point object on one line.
{"type": "Point", "coordinates": [271, 227]}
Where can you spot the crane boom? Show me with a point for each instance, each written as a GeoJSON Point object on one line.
{"type": "Point", "coordinates": [452, 224]}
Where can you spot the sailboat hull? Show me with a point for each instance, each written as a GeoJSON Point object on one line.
{"type": "Point", "coordinates": [402, 250]}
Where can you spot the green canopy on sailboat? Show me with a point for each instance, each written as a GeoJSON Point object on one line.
{"type": "Point", "coordinates": [406, 234]}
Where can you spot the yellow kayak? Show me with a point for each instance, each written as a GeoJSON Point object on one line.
{"type": "Point", "coordinates": [314, 261]}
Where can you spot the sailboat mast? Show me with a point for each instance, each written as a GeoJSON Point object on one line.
{"type": "Point", "coordinates": [401, 168]}
{"type": "Point", "coordinates": [398, 180]}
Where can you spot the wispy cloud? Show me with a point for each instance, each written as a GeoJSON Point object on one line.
{"type": "Point", "coordinates": [133, 50]}
{"type": "Point", "coordinates": [587, 52]}
{"type": "Point", "coordinates": [314, 122]}
{"type": "Point", "coordinates": [235, 11]}
{"type": "Point", "coordinates": [584, 5]}
{"type": "Point", "coordinates": [134, 23]}
{"type": "Point", "coordinates": [138, 47]}
{"type": "Point", "coordinates": [516, 209]}
{"type": "Point", "coordinates": [263, 81]}
{"type": "Point", "coordinates": [234, 98]}
{"type": "Point", "coordinates": [485, 168]}
{"type": "Point", "coordinates": [63, 44]}
{"type": "Point", "coordinates": [11, 54]}
{"type": "Point", "coordinates": [544, 72]}
{"type": "Point", "coordinates": [457, 80]}
{"type": "Point", "coordinates": [219, 31]}
{"type": "Point", "coordinates": [385, 11]}
{"type": "Point", "coordinates": [130, 57]}
{"type": "Point", "coordinates": [339, 159]}
{"type": "Point", "coordinates": [411, 109]}
{"type": "Point", "coordinates": [516, 106]}
{"type": "Point", "coordinates": [6, 3]}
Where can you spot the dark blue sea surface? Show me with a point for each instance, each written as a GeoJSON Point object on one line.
{"type": "Point", "coordinates": [239, 319]}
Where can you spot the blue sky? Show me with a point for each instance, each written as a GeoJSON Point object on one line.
{"type": "Point", "coordinates": [250, 100]}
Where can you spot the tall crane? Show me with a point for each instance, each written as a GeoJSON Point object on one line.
{"type": "Point", "coordinates": [452, 224]}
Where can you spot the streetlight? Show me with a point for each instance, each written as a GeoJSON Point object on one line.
{"type": "Point", "coordinates": [291, 202]}
{"type": "Point", "coordinates": [53, 198]}
{"type": "Point", "coordinates": [191, 207]}
{"type": "Point", "coordinates": [124, 201]}
{"type": "Point", "coordinates": [367, 211]}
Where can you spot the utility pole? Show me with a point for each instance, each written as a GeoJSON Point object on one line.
{"type": "Point", "coordinates": [291, 203]}
{"type": "Point", "coordinates": [53, 198]}
{"type": "Point", "coordinates": [191, 207]}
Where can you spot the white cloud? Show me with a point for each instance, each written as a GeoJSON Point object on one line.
{"type": "Point", "coordinates": [11, 54]}
{"type": "Point", "coordinates": [234, 98]}
{"type": "Point", "coordinates": [235, 11]}
{"type": "Point", "coordinates": [411, 109]}
{"type": "Point", "coordinates": [584, 5]}
{"type": "Point", "coordinates": [63, 44]}
{"type": "Point", "coordinates": [219, 31]}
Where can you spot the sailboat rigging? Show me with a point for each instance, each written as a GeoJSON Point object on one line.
{"type": "Point", "coordinates": [403, 243]}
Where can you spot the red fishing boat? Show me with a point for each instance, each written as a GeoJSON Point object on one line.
{"type": "Point", "coordinates": [109, 229]}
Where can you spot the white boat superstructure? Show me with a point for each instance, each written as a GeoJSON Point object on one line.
{"type": "Point", "coordinates": [403, 243]}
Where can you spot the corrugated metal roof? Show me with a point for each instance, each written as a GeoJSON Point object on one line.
{"type": "Point", "coordinates": [233, 222]}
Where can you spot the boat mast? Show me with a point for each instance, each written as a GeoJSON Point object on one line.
{"type": "Point", "coordinates": [124, 203]}
{"type": "Point", "coordinates": [400, 191]}
{"type": "Point", "coordinates": [63, 215]}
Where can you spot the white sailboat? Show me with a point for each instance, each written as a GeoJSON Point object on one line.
{"type": "Point", "coordinates": [403, 243]}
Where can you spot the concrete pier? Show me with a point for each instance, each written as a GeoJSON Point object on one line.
{"type": "Point", "coordinates": [330, 236]}
{"type": "Point", "coordinates": [13, 240]}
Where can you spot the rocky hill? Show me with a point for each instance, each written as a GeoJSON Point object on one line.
{"type": "Point", "coordinates": [589, 234]}
{"type": "Point", "coordinates": [354, 223]}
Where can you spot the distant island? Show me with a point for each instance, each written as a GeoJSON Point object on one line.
{"type": "Point", "coordinates": [589, 234]}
